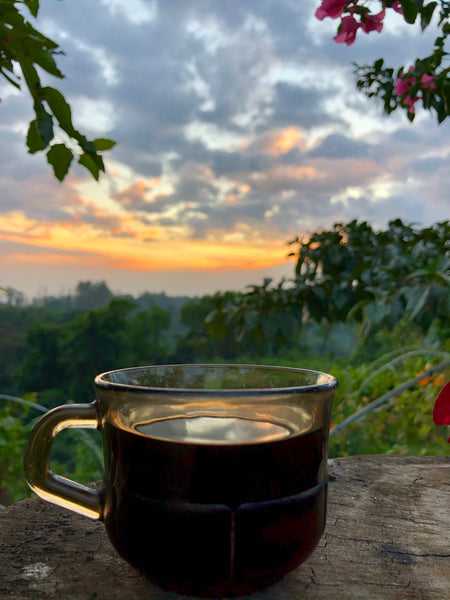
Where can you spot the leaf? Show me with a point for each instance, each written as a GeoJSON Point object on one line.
{"type": "Point", "coordinates": [34, 141]}
{"type": "Point", "coordinates": [60, 157]}
{"type": "Point", "coordinates": [102, 144]}
{"type": "Point", "coordinates": [91, 165]}
{"type": "Point", "coordinates": [426, 14]}
{"type": "Point", "coordinates": [31, 77]}
{"type": "Point", "coordinates": [358, 308]}
{"type": "Point", "coordinates": [377, 65]}
{"type": "Point", "coordinates": [410, 10]}
{"type": "Point", "coordinates": [45, 60]}
{"type": "Point", "coordinates": [44, 123]}
{"type": "Point", "coordinates": [33, 6]}
{"type": "Point", "coordinates": [420, 303]}
{"type": "Point", "coordinates": [86, 145]}
{"type": "Point", "coordinates": [60, 108]}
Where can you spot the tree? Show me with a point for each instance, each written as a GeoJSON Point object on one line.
{"type": "Point", "coordinates": [253, 323]}
{"type": "Point", "coordinates": [349, 272]}
{"type": "Point", "coordinates": [43, 366]}
{"type": "Point", "coordinates": [26, 50]}
{"type": "Point", "coordinates": [427, 80]}
{"type": "Point", "coordinates": [145, 335]}
{"type": "Point", "coordinates": [95, 342]}
{"type": "Point", "coordinates": [376, 277]}
{"type": "Point", "coordinates": [89, 295]}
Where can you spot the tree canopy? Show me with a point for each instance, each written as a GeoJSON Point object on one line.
{"type": "Point", "coordinates": [349, 272]}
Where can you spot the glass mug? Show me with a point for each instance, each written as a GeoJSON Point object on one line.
{"type": "Point", "coordinates": [215, 479]}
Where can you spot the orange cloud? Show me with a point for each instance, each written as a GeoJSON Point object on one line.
{"type": "Point", "coordinates": [230, 198]}
{"type": "Point", "coordinates": [127, 247]}
{"type": "Point", "coordinates": [286, 140]}
{"type": "Point", "coordinates": [277, 142]}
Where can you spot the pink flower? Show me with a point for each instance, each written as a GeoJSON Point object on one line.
{"type": "Point", "coordinates": [331, 8]}
{"type": "Point", "coordinates": [349, 27]}
{"type": "Point", "coordinates": [441, 411]}
{"type": "Point", "coordinates": [427, 81]}
{"type": "Point", "coordinates": [403, 84]}
{"type": "Point", "coordinates": [397, 7]}
{"type": "Point", "coordinates": [373, 22]}
{"type": "Point", "coordinates": [409, 101]}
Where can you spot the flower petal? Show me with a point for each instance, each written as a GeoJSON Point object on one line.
{"type": "Point", "coordinates": [441, 411]}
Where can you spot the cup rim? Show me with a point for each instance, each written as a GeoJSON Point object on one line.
{"type": "Point", "coordinates": [329, 382]}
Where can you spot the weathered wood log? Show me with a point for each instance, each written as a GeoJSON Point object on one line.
{"type": "Point", "coordinates": [387, 538]}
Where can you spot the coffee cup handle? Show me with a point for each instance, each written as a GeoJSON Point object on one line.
{"type": "Point", "coordinates": [46, 484]}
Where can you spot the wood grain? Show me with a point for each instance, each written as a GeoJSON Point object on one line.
{"type": "Point", "coordinates": [387, 538]}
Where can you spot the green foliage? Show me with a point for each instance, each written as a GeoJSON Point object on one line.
{"type": "Point", "coordinates": [43, 361]}
{"type": "Point", "coordinates": [13, 436]}
{"type": "Point", "coordinates": [145, 335]}
{"type": "Point", "coordinates": [259, 321]}
{"type": "Point", "coordinates": [347, 273]}
{"type": "Point", "coordinates": [75, 454]}
{"type": "Point", "coordinates": [374, 277]}
{"type": "Point", "coordinates": [402, 425]}
{"type": "Point", "coordinates": [96, 342]}
{"type": "Point", "coordinates": [23, 48]}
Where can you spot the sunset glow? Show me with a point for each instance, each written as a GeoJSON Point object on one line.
{"type": "Point", "coordinates": [238, 128]}
{"type": "Point", "coordinates": [135, 247]}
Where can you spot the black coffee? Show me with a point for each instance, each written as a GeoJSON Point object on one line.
{"type": "Point", "coordinates": [214, 505]}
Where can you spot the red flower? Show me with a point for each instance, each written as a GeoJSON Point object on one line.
{"type": "Point", "coordinates": [397, 7]}
{"type": "Point", "coordinates": [349, 27]}
{"type": "Point", "coordinates": [373, 22]}
{"type": "Point", "coordinates": [441, 411]}
{"type": "Point", "coordinates": [331, 8]}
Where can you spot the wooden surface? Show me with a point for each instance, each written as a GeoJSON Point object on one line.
{"type": "Point", "coordinates": [387, 537]}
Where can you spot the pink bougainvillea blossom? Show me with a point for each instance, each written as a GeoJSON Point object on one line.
{"type": "Point", "coordinates": [397, 7]}
{"type": "Point", "coordinates": [427, 81]}
{"type": "Point", "coordinates": [410, 102]}
{"type": "Point", "coordinates": [373, 22]}
{"type": "Point", "coordinates": [441, 412]}
{"type": "Point", "coordinates": [404, 83]}
{"type": "Point", "coordinates": [401, 86]}
{"type": "Point", "coordinates": [349, 27]}
{"type": "Point", "coordinates": [331, 8]}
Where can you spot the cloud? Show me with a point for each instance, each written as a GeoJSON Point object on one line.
{"type": "Point", "coordinates": [338, 146]}
{"type": "Point", "coordinates": [238, 127]}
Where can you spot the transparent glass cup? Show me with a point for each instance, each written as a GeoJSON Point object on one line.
{"type": "Point", "coordinates": [215, 478]}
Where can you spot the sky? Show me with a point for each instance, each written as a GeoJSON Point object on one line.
{"type": "Point", "coordinates": [238, 128]}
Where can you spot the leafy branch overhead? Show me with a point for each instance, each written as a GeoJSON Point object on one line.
{"type": "Point", "coordinates": [23, 51]}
